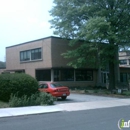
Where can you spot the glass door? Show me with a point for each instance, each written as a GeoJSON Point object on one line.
{"type": "Point", "coordinates": [104, 76]}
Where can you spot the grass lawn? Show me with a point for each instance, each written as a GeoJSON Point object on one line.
{"type": "Point", "coordinates": [3, 104]}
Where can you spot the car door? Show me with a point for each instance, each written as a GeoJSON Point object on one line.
{"type": "Point", "coordinates": [45, 88]}
{"type": "Point", "coordinates": [41, 88]}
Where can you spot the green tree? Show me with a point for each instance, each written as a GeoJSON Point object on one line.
{"type": "Point", "coordinates": [103, 25]}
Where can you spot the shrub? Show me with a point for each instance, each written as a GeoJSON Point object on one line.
{"type": "Point", "coordinates": [86, 91]}
{"type": "Point", "coordinates": [17, 83]}
{"type": "Point", "coordinates": [126, 93]}
{"type": "Point", "coordinates": [46, 99]}
{"type": "Point", "coordinates": [96, 91]}
{"type": "Point", "coordinates": [107, 92]}
{"type": "Point", "coordinates": [33, 100]}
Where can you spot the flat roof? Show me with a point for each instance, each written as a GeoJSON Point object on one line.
{"type": "Point", "coordinates": [34, 41]}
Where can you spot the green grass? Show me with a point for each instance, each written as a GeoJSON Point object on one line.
{"type": "Point", "coordinates": [4, 104]}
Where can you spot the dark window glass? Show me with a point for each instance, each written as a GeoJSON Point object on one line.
{"type": "Point", "coordinates": [123, 77]}
{"type": "Point", "coordinates": [32, 54]}
{"type": "Point", "coordinates": [84, 75]}
{"type": "Point", "coordinates": [43, 86]}
{"type": "Point", "coordinates": [29, 55]}
{"type": "Point", "coordinates": [55, 85]}
{"type": "Point", "coordinates": [21, 56]}
{"type": "Point", "coordinates": [25, 55]}
{"type": "Point", "coordinates": [68, 75]}
{"type": "Point", "coordinates": [36, 54]}
{"type": "Point", "coordinates": [63, 75]}
{"type": "Point", "coordinates": [43, 75]}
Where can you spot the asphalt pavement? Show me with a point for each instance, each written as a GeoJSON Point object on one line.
{"type": "Point", "coordinates": [95, 119]}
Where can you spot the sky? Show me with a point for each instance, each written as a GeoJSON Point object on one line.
{"type": "Point", "coordinates": [22, 21]}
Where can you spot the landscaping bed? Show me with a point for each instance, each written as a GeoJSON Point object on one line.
{"type": "Point", "coordinates": [101, 92]}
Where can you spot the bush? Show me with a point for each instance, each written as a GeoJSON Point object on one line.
{"type": "Point", "coordinates": [96, 91]}
{"type": "Point", "coordinates": [126, 93]}
{"type": "Point", "coordinates": [33, 100]}
{"type": "Point", "coordinates": [46, 98]}
{"type": "Point", "coordinates": [17, 83]}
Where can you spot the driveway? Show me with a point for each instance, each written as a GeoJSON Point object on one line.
{"type": "Point", "coordinates": [83, 98]}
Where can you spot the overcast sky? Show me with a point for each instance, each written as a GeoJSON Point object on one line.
{"type": "Point", "coordinates": [22, 21]}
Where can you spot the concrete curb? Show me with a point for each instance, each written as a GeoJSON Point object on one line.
{"type": "Point", "coordinates": [8, 112]}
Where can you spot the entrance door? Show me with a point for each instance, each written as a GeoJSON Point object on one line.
{"type": "Point", "coordinates": [104, 77]}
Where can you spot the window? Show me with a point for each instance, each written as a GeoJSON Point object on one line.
{"type": "Point", "coordinates": [123, 62]}
{"type": "Point", "coordinates": [84, 75]}
{"type": "Point", "coordinates": [123, 77]}
{"type": "Point", "coordinates": [69, 74]}
{"type": "Point", "coordinates": [30, 55]}
{"type": "Point", "coordinates": [64, 75]}
{"type": "Point", "coordinates": [56, 85]}
{"type": "Point", "coordinates": [43, 75]}
{"type": "Point", "coordinates": [36, 54]}
{"type": "Point", "coordinates": [43, 86]}
{"type": "Point", "coordinates": [25, 55]}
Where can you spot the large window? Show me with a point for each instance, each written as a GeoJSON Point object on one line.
{"type": "Point", "coordinates": [73, 75]}
{"type": "Point", "coordinates": [43, 75]}
{"type": "Point", "coordinates": [84, 75]}
{"type": "Point", "coordinates": [30, 55]}
{"type": "Point", "coordinates": [123, 77]}
{"type": "Point", "coordinates": [64, 75]}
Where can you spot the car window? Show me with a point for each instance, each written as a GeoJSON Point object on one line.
{"type": "Point", "coordinates": [55, 85]}
{"type": "Point", "coordinates": [43, 86]}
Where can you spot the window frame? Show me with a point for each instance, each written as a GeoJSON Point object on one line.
{"type": "Point", "coordinates": [86, 73]}
{"type": "Point", "coordinates": [123, 62]}
{"type": "Point", "coordinates": [28, 56]}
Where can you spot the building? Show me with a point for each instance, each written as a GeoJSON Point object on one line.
{"type": "Point", "coordinates": [42, 59]}
{"type": "Point", "coordinates": [124, 59]}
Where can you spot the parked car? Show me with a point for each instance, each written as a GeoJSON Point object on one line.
{"type": "Point", "coordinates": [55, 89]}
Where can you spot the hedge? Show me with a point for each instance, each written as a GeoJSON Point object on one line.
{"type": "Point", "coordinates": [17, 84]}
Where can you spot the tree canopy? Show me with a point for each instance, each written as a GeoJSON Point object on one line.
{"type": "Point", "coordinates": [97, 23]}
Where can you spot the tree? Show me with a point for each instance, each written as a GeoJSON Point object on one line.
{"type": "Point", "coordinates": [103, 25]}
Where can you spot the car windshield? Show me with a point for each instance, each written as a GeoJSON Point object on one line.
{"type": "Point", "coordinates": [55, 85]}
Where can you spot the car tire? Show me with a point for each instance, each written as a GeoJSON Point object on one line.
{"type": "Point", "coordinates": [64, 97]}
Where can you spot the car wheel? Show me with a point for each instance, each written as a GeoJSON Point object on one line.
{"type": "Point", "coordinates": [64, 97]}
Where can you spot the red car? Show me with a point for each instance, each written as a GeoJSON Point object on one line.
{"type": "Point", "coordinates": [55, 89]}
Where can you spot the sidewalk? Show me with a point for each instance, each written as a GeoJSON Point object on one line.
{"type": "Point", "coordinates": [8, 112]}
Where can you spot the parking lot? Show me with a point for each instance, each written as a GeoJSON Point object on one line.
{"type": "Point", "coordinates": [83, 98]}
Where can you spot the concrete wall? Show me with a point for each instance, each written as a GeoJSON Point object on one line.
{"type": "Point", "coordinates": [59, 46]}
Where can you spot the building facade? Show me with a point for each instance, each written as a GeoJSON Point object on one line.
{"type": "Point", "coordinates": [42, 60]}
{"type": "Point", "coordinates": [124, 64]}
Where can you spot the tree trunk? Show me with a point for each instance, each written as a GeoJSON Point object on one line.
{"type": "Point", "coordinates": [117, 69]}
{"type": "Point", "coordinates": [114, 74]}
{"type": "Point", "coordinates": [111, 76]}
